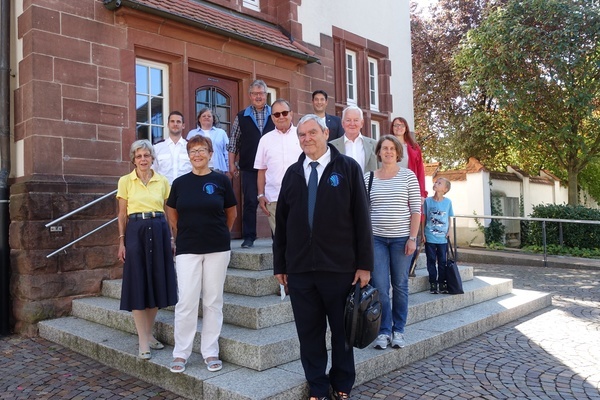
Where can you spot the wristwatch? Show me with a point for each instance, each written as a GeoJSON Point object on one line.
{"type": "Point", "coordinates": [259, 196]}
{"type": "Point", "coordinates": [413, 238]}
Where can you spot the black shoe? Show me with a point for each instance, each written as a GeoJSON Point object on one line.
{"type": "Point", "coordinates": [247, 243]}
{"type": "Point", "coordinates": [444, 288]}
{"type": "Point", "coordinates": [433, 288]}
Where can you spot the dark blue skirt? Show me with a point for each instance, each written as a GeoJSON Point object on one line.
{"type": "Point", "coordinates": [149, 279]}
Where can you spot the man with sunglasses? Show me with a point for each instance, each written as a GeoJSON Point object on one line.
{"type": "Point", "coordinates": [247, 128]}
{"type": "Point", "coordinates": [277, 150]}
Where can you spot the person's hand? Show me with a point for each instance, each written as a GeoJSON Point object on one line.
{"type": "Point", "coordinates": [173, 247]}
{"type": "Point", "coordinates": [233, 171]}
{"type": "Point", "coordinates": [121, 252]}
{"type": "Point", "coordinates": [410, 247]}
{"type": "Point", "coordinates": [262, 202]}
{"type": "Point", "coordinates": [282, 279]}
{"type": "Point", "coordinates": [363, 276]}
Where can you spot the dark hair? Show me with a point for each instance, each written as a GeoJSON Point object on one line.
{"type": "Point", "coordinates": [199, 140]}
{"type": "Point", "coordinates": [397, 144]}
{"type": "Point", "coordinates": [202, 111]}
{"type": "Point", "coordinates": [176, 113]}
{"type": "Point", "coordinates": [316, 92]}
{"type": "Point", "coordinates": [407, 136]}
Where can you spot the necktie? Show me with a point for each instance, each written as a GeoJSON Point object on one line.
{"type": "Point", "coordinates": [312, 192]}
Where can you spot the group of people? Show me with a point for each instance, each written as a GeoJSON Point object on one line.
{"type": "Point", "coordinates": [342, 207]}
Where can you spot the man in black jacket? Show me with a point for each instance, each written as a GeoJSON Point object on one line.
{"type": "Point", "coordinates": [248, 127]}
{"type": "Point", "coordinates": [333, 122]}
{"type": "Point", "coordinates": [318, 261]}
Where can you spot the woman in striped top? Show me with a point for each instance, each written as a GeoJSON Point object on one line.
{"type": "Point", "coordinates": [395, 200]}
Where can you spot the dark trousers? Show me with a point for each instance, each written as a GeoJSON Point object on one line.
{"type": "Point", "coordinates": [318, 298]}
{"type": "Point", "coordinates": [436, 253]}
{"type": "Point", "coordinates": [249, 193]}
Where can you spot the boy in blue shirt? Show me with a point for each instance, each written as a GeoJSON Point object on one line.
{"type": "Point", "coordinates": [437, 211]}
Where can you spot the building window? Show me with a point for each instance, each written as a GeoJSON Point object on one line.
{"type": "Point", "coordinates": [351, 77]}
{"type": "Point", "coordinates": [219, 102]}
{"type": "Point", "coordinates": [271, 95]}
{"type": "Point", "coordinates": [373, 85]}
{"type": "Point", "coordinates": [252, 4]}
{"type": "Point", "coordinates": [375, 134]}
{"type": "Point", "coordinates": [151, 100]}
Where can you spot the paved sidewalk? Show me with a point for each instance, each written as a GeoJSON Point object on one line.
{"type": "Point", "coordinates": [554, 354]}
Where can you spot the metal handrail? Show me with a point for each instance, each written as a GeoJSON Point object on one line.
{"type": "Point", "coordinates": [542, 220]}
{"type": "Point", "coordinates": [91, 203]}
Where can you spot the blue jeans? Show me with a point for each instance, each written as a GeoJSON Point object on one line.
{"type": "Point", "coordinates": [391, 262]}
{"type": "Point", "coordinates": [436, 252]}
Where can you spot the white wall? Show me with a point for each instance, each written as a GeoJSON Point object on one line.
{"type": "Point", "coordinates": [386, 22]}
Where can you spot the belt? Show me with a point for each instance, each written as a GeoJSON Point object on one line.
{"type": "Point", "coordinates": [147, 215]}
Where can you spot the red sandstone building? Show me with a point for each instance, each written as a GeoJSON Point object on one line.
{"type": "Point", "coordinates": [88, 77]}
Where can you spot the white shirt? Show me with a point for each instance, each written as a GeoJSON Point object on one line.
{"type": "Point", "coordinates": [275, 153]}
{"type": "Point", "coordinates": [171, 159]}
{"type": "Point", "coordinates": [356, 150]}
{"type": "Point", "coordinates": [323, 161]}
{"type": "Point", "coordinates": [220, 158]}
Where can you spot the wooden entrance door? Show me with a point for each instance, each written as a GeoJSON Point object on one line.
{"type": "Point", "coordinates": [221, 96]}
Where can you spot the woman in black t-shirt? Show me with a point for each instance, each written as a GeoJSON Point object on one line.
{"type": "Point", "coordinates": [201, 211]}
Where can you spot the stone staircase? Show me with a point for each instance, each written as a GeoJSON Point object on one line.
{"type": "Point", "coordinates": [258, 342]}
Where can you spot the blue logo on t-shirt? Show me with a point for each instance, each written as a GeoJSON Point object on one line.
{"type": "Point", "coordinates": [209, 188]}
{"type": "Point", "coordinates": [335, 179]}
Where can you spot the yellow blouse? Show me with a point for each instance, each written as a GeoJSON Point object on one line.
{"type": "Point", "coordinates": [142, 198]}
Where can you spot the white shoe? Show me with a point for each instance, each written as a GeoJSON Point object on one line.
{"type": "Point", "coordinates": [398, 340]}
{"type": "Point", "coordinates": [382, 341]}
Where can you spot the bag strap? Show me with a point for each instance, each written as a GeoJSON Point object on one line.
{"type": "Point", "coordinates": [354, 315]}
{"type": "Point", "coordinates": [370, 184]}
{"type": "Point", "coordinates": [450, 249]}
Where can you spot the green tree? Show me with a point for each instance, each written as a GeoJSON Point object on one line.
{"type": "Point", "coordinates": [532, 82]}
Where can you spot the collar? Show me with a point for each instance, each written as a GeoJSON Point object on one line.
{"type": "Point", "coordinates": [359, 137]}
{"type": "Point", "coordinates": [170, 141]}
{"type": "Point", "coordinates": [286, 132]}
{"type": "Point", "coordinates": [249, 111]}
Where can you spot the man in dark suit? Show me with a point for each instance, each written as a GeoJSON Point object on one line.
{"type": "Point", "coordinates": [322, 246]}
{"type": "Point", "coordinates": [247, 129]}
{"type": "Point", "coordinates": [333, 122]}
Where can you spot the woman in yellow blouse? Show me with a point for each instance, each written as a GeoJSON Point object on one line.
{"type": "Point", "coordinates": [149, 281]}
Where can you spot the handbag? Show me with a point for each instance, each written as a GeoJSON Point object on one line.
{"type": "Point", "coordinates": [362, 316]}
{"type": "Point", "coordinates": [453, 279]}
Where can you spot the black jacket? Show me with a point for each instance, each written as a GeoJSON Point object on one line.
{"type": "Point", "coordinates": [341, 239]}
{"type": "Point", "coordinates": [334, 124]}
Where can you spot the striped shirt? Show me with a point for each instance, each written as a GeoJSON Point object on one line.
{"type": "Point", "coordinates": [392, 203]}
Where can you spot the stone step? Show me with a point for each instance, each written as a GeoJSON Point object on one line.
{"type": "Point", "coordinates": [118, 349]}
{"type": "Point", "coordinates": [257, 312]}
{"type": "Point", "coordinates": [275, 345]}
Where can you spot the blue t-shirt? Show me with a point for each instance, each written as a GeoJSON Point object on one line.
{"type": "Point", "coordinates": [437, 217]}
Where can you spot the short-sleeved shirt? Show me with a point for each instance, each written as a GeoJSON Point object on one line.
{"type": "Point", "coordinates": [172, 159]}
{"type": "Point", "coordinates": [437, 217]}
{"type": "Point", "coordinates": [276, 152]}
{"type": "Point", "coordinates": [200, 201]}
{"type": "Point", "coordinates": [140, 197]}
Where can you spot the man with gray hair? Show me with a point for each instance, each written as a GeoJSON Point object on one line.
{"type": "Point", "coordinates": [323, 245]}
{"type": "Point", "coordinates": [247, 128]}
{"type": "Point", "coordinates": [354, 143]}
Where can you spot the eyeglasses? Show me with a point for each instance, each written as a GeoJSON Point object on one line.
{"type": "Point", "coordinates": [195, 152]}
{"type": "Point", "coordinates": [279, 114]}
{"type": "Point", "coordinates": [257, 94]}
{"type": "Point", "coordinates": [398, 126]}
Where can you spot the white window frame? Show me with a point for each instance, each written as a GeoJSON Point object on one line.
{"type": "Point", "coordinates": [351, 84]}
{"type": "Point", "coordinates": [252, 4]}
{"type": "Point", "coordinates": [375, 131]}
{"type": "Point", "coordinates": [271, 95]}
{"type": "Point", "coordinates": [373, 84]}
{"type": "Point", "coordinates": [165, 92]}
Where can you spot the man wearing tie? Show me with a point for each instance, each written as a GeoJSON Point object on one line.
{"type": "Point", "coordinates": [322, 216]}
{"type": "Point", "coordinates": [353, 143]}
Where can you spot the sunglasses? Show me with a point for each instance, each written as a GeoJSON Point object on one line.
{"type": "Point", "coordinates": [279, 114]}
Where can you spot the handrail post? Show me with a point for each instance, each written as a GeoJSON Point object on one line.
{"type": "Point", "coordinates": [544, 242]}
{"type": "Point", "coordinates": [560, 234]}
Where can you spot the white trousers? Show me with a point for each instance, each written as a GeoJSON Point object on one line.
{"type": "Point", "coordinates": [199, 276]}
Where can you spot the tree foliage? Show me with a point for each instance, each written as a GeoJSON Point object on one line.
{"type": "Point", "coordinates": [510, 82]}
{"type": "Point", "coordinates": [537, 63]}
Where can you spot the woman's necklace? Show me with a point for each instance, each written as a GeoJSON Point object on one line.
{"type": "Point", "coordinates": [146, 180]}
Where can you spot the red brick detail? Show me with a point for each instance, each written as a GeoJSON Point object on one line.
{"type": "Point", "coordinates": [113, 92]}
{"type": "Point", "coordinates": [95, 32]}
{"type": "Point", "coordinates": [83, 167]}
{"type": "Point", "coordinates": [75, 73]}
{"type": "Point", "coordinates": [56, 46]}
{"type": "Point", "coordinates": [45, 153]}
{"type": "Point", "coordinates": [83, 8]}
{"type": "Point", "coordinates": [95, 113]}
{"type": "Point", "coordinates": [91, 149]}
{"type": "Point", "coordinates": [41, 100]}
{"type": "Point", "coordinates": [106, 56]}
{"type": "Point", "coordinates": [36, 66]}
{"type": "Point", "coordinates": [38, 18]}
